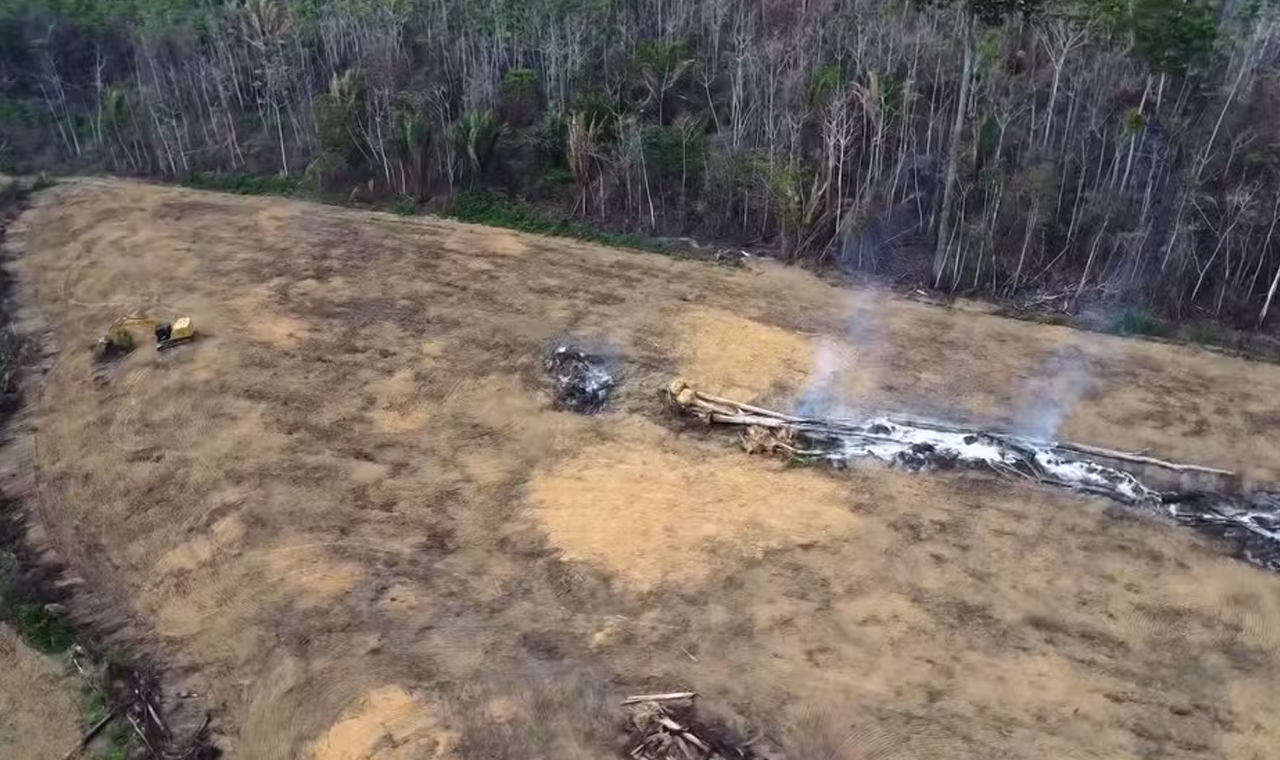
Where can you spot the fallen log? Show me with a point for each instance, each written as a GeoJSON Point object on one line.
{"type": "Point", "coordinates": [1249, 522]}
{"type": "Point", "coordinates": [729, 412]}
{"type": "Point", "coordinates": [678, 386]}
{"type": "Point", "coordinates": [1125, 456]}
{"type": "Point", "coordinates": [659, 697]}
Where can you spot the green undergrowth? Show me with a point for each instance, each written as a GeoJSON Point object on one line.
{"type": "Point", "coordinates": [116, 742]}
{"type": "Point", "coordinates": [485, 208]}
{"type": "Point", "coordinates": [42, 630]}
{"type": "Point", "coordinates": [1140, 322]}
{"type": "Point", "coordinates": [404, 205]}
{"type": "Point", "coordinates": [242, 184]}
{"type": "Point", "coordinates": [475, 206]}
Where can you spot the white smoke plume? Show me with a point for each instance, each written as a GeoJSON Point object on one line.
{"type": "Point", "coordinates": [1050, 395]}
{"type": "Point", "coordinates": [837, 358]}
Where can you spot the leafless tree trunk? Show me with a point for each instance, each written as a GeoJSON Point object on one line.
{"type": "Point", "coordinates": [953, 152]}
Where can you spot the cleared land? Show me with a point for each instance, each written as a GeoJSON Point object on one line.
{"type": "Point", "coordinates": [348, 518]}
{"type": "Point", "coordinates": [40, 704]}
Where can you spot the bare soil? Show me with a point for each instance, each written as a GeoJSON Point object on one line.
{"type": "Point", "coordinates": [349, 519]}
{"type": "Point", "coordinates": [40, 704]}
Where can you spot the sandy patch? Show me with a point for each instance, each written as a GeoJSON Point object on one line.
{"type": "Point", "coordinates": [272, 219]}
{"type": "Point", "coordinates": [725, 354]}
{"type": "Point", "coordinates": [403, 599]}
{"type": "Point", "coordinates": [387, 723]}
{"type": "Point", "coordinates": [309, 575]}
{"type": "Point", "coordinates": [653, 515]}
{"type": "Point", "coordinates": [215, 600]}
{"type": "Point", "coordinates": [226, 533]}
{"type": "Point", "coordinates": [278, 330]}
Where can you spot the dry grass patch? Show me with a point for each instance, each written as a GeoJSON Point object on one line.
{"type": "Point", "coordinates": [349, 518]}
{"type": "Point", "coordinates": [652, 514]}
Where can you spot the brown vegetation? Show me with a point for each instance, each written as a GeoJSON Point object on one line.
{"type": "Point", "coordinates": [39, 705]}
{"type": "Point", "coordinates": [352, 522]}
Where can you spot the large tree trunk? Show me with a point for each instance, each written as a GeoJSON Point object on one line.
{"type": "Point", "coordinates": [953, 154]}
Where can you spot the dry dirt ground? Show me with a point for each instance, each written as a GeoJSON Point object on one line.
{"type": "Point", "coordinates": [348, 518]}
{"type": "Point", "coordinates": [40, 704]}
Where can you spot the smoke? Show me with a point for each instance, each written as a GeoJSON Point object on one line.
{"type": "Point", "coordinates": [853, 357]}
{"type": "Point", "coordinates": [822, 397]}
{"type": "Point", "coordinates": [836, 359]}
{"type": "Point", "coordinates": [1052, 393]}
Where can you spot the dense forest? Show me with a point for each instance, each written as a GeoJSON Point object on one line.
{"type": "Point", "coordinates": [1099, 151]}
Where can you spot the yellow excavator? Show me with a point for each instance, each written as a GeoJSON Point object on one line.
{"type": "Point", "coordinates": [118, 339]}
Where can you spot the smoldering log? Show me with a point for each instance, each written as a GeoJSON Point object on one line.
{"type": "Point", "coordinates": [1250, 523]}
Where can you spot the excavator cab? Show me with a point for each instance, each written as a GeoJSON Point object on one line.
{"type": "Point", "coordinates": [169, 334]}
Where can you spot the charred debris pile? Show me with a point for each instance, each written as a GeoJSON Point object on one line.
{"type": "Point", "coordinates": [582, 380]}
{"type": "Point", "coordinates": [671, 727]}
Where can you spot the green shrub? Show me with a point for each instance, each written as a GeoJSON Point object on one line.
{"type": "Point", "coordinates": [243, 184]}
{"type": "Point", "coordinates": [559, 176]}
{"type": "Point", "coordinates": [479, 207]}
{"type": "Point", "coordinates": [18, 112]}
{"type": "Point", "coordinates": [824, 81]}
{"type": "Point", "coordinates": [40, 629]}
{"type": "Point", "coordinates": [477, 133]}
{"type": "Point", "coordinates": [599, 108]}
{"type": "Point", "coordinates": [1209, 333]}
{"type": "Point", "coordinates": [1138, 322]}
{"type": "Point", "coordinates": [519, 82]}
{"type": "Point", "coordinates": [404, 205]}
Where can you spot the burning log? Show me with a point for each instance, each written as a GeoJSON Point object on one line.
{"type": "Point", "coordinates": [725, 411]}
{"type": "Point", "coordinates": [1124, 456]}
{"type": "Point", "coordinates": [1251, 523]}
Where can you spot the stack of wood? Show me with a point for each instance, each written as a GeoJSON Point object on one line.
{"type": "Point", "coordinates": [663, 729]}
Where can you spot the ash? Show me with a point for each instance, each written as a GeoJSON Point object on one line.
{"type": "Point", "coordinates": [582, 380]}
{"type": "Point", "coordinates": [1250, 524]}
{"type": "Point", "coordinates": [915, 447]}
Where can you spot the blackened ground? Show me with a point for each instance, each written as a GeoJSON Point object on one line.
{"type": "Point", "coordinates": [582, 380]}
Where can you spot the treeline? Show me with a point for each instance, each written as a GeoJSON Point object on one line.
{"type": "Point", "coordinates": [1096, 151]}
